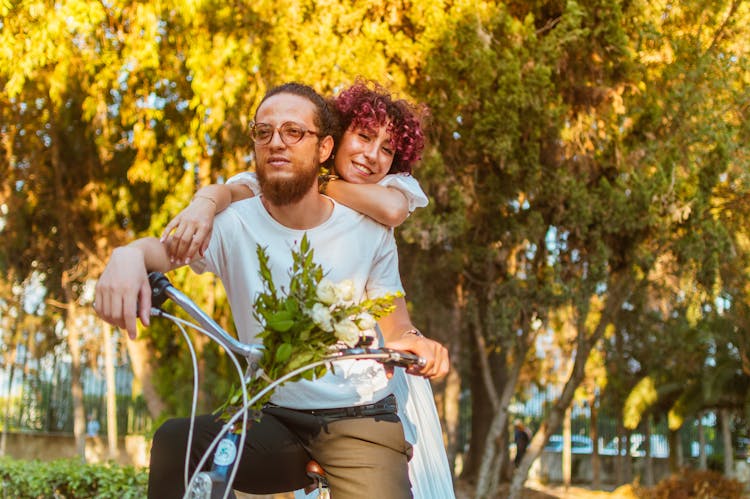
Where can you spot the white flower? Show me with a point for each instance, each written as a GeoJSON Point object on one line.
{"type": "Point", "coordinates": [347, 331]}
{"type": "Point", "coordinates": [321, 316]}
{"type": "Point", "coordinates": [365, 321]}
{"type": "Point", "coordinates": [326, 292]}
{"type": "Point", "coordinates": [345, 291]}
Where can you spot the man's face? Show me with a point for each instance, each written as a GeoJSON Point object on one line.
{"type": "Point", "coordinates": [286, 172]}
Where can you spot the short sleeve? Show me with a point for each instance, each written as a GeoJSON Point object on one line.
{"type": "Point", "coordinates": [410, 188]}
{"type": "Point", "coordinates": [250, 179]}
{"type": "Point", "coordinates": [384, 276]}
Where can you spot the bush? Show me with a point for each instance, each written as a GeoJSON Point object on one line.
{"type": "Point", "coordinates": [64, 478]}
{"type": "Point", "coordinates": [694, 484]}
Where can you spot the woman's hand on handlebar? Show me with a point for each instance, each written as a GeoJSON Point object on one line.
{"type": "Point", "coordinates": [188, 234]}
{"type": "Point", "coordinates": [123, 292]}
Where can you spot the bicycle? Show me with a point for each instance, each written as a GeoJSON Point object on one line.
{"type": "Point", "coordinates": [216, 483]}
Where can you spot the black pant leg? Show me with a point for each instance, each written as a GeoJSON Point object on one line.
{"type": "Point", "coordinates": [272, 459]}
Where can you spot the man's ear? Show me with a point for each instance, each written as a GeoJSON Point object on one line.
{"type": "Point", "coordinates": [325, 148]}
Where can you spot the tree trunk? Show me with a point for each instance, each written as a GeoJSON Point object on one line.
{"type": "Point", "coordinates": [71, 268]}
{"type": "Point", "coordinates": [481, 418]}
{"type": "Point", "coordinates": [495, 444]}
{"type": "Point", "coordinates": [627, 463]}
{"type": "Point", "coordinates": [726, 437]}
{"type": "Point", "coordinates": [76, 386]}
{"type": "Point", "coordinates": [678, 449]}
{"type": "Point", "coordinates": [8, 402]}
{"type": "Point", "coordinates": [675, 451]}
{"type": "Point", "coordinates": [567, 450]}
{"type": "Point", "coordinates": [452, 392]}
{"type": "Point", "coordinates": [109, 372]}
{"type": "Point", "coordinates": [484, 397]}
{"type": "Point", "coordinates": [702, 459]}
{"type": "Point", "coordinates": [648, 468]}
{"type": "Point", "coordinates": [140, 359]}
{"type": "Point", "coordinates": [11, 357]}
{"type": "Point", "coordinates": [594, 431]}
{"type": "Point", "coordinates": [620, 286]}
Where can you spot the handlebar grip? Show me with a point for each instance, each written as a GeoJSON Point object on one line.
{"type": "Point", "coordinates": [403, 359]}
{"type": "Point", "coordinates": [159, 283]}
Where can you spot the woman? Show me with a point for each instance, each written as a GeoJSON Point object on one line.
{"type": "Point", "coordinates": [381, 142]}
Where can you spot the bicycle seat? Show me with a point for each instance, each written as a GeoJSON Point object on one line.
{"type": "Point", "coordinates": [315, 471]}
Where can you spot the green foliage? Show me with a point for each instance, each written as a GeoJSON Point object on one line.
{"type": "Point", "coordinates": [70, 479]}
{"type": "Point", "coordinates": [643, 395]}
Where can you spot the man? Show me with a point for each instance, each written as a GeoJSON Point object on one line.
{"type": "Point", "coordinates": [522, 437]}
{"type": "Point", "coordinates": [365, 455]}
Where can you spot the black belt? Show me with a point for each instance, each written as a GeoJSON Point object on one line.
{"type": "Point", "coordinates": [387, 405]}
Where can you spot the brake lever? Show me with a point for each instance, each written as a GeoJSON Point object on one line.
{"type": "Point", "coordinates": [400, 359]}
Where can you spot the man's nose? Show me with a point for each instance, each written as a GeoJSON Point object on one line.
{"type": "Point", "coordinates": [276, 142]}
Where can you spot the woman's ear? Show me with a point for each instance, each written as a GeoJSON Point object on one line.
{"type": "Point", "coordinates": [325, 148]}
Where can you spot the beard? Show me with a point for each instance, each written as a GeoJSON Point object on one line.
{"type": "Point", "coordinates": [282, 191]}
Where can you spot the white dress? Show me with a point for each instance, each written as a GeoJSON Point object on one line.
{"type": "Point", "coordinates": [429, 471]}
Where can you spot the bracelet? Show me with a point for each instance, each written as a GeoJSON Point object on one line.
{"type": "Point", "coordinates": [205, 197]}
{"type": "Point", "coordinates": [416, 332]}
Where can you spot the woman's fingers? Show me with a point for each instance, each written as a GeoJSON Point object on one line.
{"type": "Point", "coordinates": [169, 228]}
{"type": "Point", "coordinates": [188, 234]}
{"type": "Point", "coordinates": [198, 242]}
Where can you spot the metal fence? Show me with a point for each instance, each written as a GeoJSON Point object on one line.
{"type": "Point", "coordinates": [38, 397]}
{"type": "Point", "coordinates": [536, 404]}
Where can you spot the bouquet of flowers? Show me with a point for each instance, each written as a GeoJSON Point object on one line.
{"type": "Point", "coordinates": [303, 324]}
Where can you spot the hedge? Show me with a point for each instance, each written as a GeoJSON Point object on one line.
{"type": "Point", "coordinates": [66, 479]}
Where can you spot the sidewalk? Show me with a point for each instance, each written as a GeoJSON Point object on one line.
{"type": "Point", "coordinates": [535, 490]}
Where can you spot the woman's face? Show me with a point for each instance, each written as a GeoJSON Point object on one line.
{"type": "Point", "coordinates": [364, 157]}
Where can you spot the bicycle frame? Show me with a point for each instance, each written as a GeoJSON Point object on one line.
{"type": "Point", "coordinates": [215, 485]}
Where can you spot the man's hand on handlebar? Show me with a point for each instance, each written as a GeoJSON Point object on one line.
{"type": "Point", "coordinates": [123, 292]}
{"type": "Point", "coordinates": [397, 330]}
{"type": "Point", "coordinates": [437, 362]}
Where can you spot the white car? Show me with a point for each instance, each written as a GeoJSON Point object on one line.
{"type": "Point", "coordinates": [659, 446]}
{"type": "Point", "coordinates": [580, 444]}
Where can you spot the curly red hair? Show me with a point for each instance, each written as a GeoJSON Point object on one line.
{"type": "Point", "coordinates": [360, 106]}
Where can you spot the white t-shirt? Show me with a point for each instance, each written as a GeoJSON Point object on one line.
{"type": "Point", "coordinates": [403, 182]}
{"type": "Point", "coordinates": [348, 245]}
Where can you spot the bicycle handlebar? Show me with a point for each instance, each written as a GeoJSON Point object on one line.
{"type": "Point", "coordinates": [162, 289]}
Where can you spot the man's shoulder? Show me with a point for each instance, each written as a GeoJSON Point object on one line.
{"type": "Point", "coordinates": [240, 209]}
{"type": "Point", "coordinates": [362, 222]}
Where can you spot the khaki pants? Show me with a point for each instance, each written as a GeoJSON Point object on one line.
{"type": "Point", "coordinates": [364, 457]}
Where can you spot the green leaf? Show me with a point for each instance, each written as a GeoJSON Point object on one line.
{"type": "Point", "coordinates": [284, 352]}
{"type": "Point", "coordinates": [304, 335]}
{"type": "Point", "coordinates": [281, 321]}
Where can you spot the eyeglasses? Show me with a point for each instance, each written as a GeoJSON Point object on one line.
{"type": "Point", "coordinates": [290, 133]}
